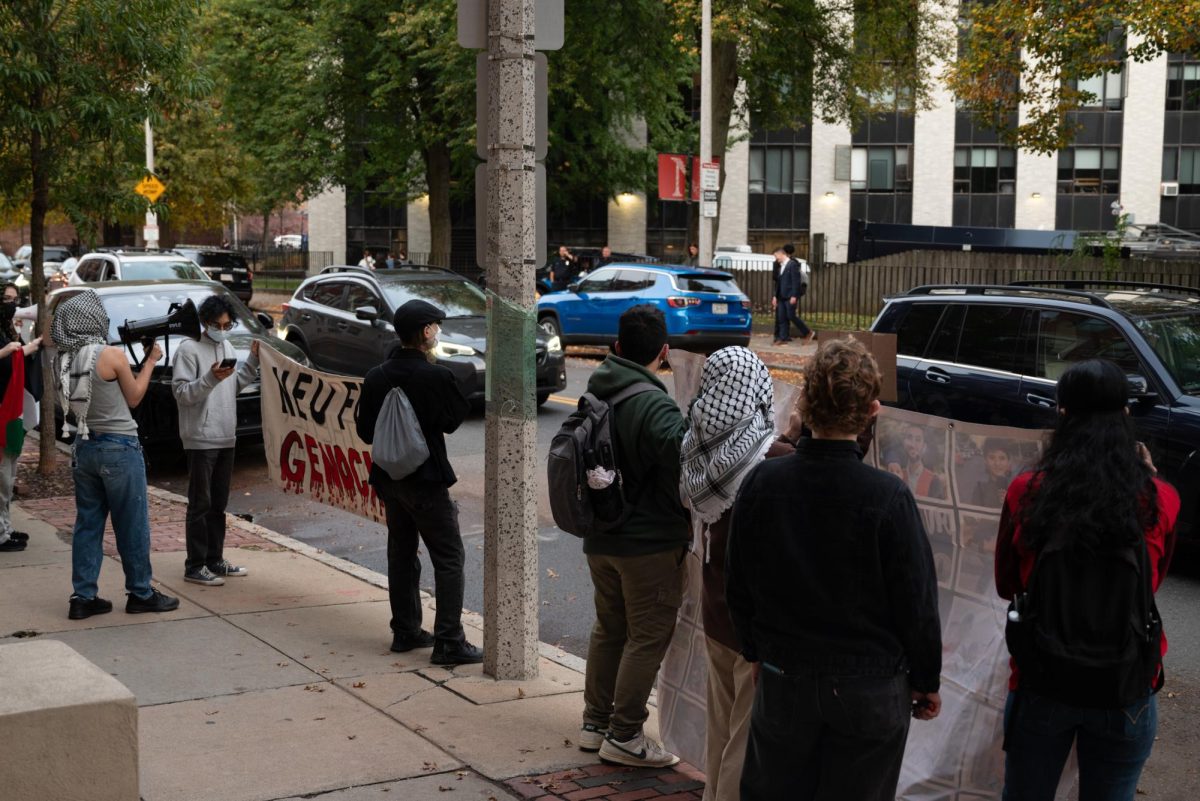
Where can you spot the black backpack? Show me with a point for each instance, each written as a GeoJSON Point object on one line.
{"type": "Point", "coordinates": [586, 440]}
{"type": "Point", "coordinates": [1086, 630]}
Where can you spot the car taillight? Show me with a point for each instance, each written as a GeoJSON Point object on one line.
{"type": "Point", "coordinates": [249, 275]}
{"type": "Point", "coordinates": [682, 302]}
{"type": "Point", "coordinates": [745, 304]}
{"type": "Point", "coordinates": [283, 307]}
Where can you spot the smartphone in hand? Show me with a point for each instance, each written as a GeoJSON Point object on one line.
{"type": "Point", "coordinates": [227, 363]}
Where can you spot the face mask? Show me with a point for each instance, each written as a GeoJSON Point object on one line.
{"type": "Point", "coordinates": [216, 334]}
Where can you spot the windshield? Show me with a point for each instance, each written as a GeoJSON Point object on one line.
{"type": "Point", "coordinates": [1176, 340]}
{"type": "Point", "coordinates": [149, 302]}
{"type": "Point", "coordinates": [706, 283]}
{"type": "Point", "coordinates": [5, 264]}
{"type": "Point", "coordinates": [175, 268]}
{"type": "Point", "coordinates": [457, 298]}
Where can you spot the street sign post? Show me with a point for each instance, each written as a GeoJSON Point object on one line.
{"type": "Point", "coordinates": [150, 188]}
{"type": "Point", "coordinates": [710, 175]}
{"type": "Point", "coordinates": [708, 203]}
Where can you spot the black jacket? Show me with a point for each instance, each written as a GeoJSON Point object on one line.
{"type": "Point", "coordinates": [436, 398]}
{"type": "Point", "coordinates": [789, 281]}
{"type": "Point", "coordinates": [829, 569]}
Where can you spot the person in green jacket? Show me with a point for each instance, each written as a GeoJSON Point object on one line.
{"type": "Point", "coordinates": [637, 572]}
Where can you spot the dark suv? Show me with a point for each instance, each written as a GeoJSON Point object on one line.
{"type": "Point", "coordinates": [226, 266]}
{"type": "Point", "coordinates": [342, 317]}
{"type": "Point", "coordinates": [993, 354]}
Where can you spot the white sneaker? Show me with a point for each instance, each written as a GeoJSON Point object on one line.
{"type": "Point", "coordinates": [640, 752]}
{"type": "Point", "coordinates": [591, 737]}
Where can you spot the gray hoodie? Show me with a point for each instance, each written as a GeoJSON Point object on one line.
{"type": "Point", "coordinates": [208, 407]}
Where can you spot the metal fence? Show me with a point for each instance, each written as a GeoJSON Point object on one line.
{"type": "Point", "coordinates": [851, 295]}
{"type": "Point", "coordinates": [288, 262]}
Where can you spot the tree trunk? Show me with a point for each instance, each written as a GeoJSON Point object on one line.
{"type": "Point", "coordinates": [437, 178]}
{"type": "Point", "coordinates": [47, 447]}
{"type": "Point", "coordinates": [266, 233]}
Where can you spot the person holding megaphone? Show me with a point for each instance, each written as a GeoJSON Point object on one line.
{"type": "Point", "coordinates": [207, 400]}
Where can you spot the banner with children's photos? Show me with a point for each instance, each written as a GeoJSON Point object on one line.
{"type": "Point", "coordinates": [959, 473]}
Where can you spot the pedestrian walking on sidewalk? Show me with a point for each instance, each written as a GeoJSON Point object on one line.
{"type": "Point", "coordinates": [12, 408]}
{"type": "Point", "coordinates": [1085, 540]}
{"type": "Point", "coordinates": [207, 401]}
{"type": "Point", "coordinates": [731, 428]}
{"type": "Point", "coordinates": [831, 586]}
{"type": "Point", "coordinates": [786, 303]}
{"type": "Point", "coordinates": [637, 570]}
{"type": "Point", "coordinates": [419, 507]}
{"type": "Point", "coordinates": [96, 383]}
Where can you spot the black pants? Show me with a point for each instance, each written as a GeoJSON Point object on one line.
{"type": "Point", "coordinates": [209, 474]}
{"type": "Point", "coordinates": [826, 738]}
{"type": "Point", "coordinates": [785, 315]}
{"type": "Point", "coordinates": [420, 509]}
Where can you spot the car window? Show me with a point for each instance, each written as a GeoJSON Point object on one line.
{"type": "Point", "coordinates": [914, 328]}
{"type": "Point", "coordinates": [944, 345]}
{"type": "Point", "coordinates": [89, 271]}
{"type": "Point", "coordinates": [327, 293]}
{"type": "Point", "coordinates": [223, 261]}
{"type": "Point", "coordinates": [457, 297]}
{"type": "Point", "coordinates": [602, 281]}
{"type": "Point", "coordinates": [359, 296]}
{"type": "Point", "coordinates": [1176, 340]}
{"type": "Point", "coordinates": [178, 269]}
{"type": "Point", "coordinates": [1067, 337]}
{"type": "Point", "coordinates": [148, 302]}
{"type": "Point", "coordinates": [991, 338]}
{"type": "Point", "coordinates": [632, 281]}
{"type": "Point", "coordinates": [698, 282]}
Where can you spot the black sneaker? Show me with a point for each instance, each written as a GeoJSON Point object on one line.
{"type": "Point", "coordinates": [407, 642]}
{"type": "Point", "coordinates": [86, 607]}
{"type": "Point", "coordinates": [18, 536]}
{"type": "Point", "coordinates": [157, 602]}
{"type": "Point", "coordinates": [456, 653]}
{"type": "Point", "coordinates": [12, 545]}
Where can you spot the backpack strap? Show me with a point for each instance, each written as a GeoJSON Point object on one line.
{"type": "Point", "coordinates": [636, 388]}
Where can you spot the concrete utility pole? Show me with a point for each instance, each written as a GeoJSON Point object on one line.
{"type": "Point", "coordinates": [510, 574]}
{"type": "Point", "coordinates": [707, 234]}
{"type": "Point", "coordinates": [150, 232]}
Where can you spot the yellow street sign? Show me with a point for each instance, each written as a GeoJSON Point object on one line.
{"type": "Point", "coordinates": [150, 188]}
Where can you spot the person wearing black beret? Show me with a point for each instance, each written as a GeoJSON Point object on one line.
{"type": "Point", "coordinates": [418, 506]}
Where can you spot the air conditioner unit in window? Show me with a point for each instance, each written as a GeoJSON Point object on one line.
{"type": "Point", "coordinates": [1170, 189]}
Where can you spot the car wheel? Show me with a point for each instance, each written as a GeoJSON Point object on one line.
{"type": "Point", "coordinates": [549, 326]}
{"type": "Point", "coordinates": [299, 343]}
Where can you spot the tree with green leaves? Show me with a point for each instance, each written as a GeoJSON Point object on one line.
{"type": "Point", "coordinates": [75, 73]}
{"type": "Point", "coordinates": [1035, 54]}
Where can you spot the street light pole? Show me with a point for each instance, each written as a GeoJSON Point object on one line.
{"type": "Point", "coordinates": [706, 128]}
{"type": "Point", "coordinates": [150, 232]}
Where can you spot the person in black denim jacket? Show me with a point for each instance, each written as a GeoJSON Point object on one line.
{"type": "Point", "coordinates": [831, 587]}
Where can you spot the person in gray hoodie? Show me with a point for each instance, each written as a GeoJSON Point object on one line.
{"type": "Point", "coordinates": [207, 402]}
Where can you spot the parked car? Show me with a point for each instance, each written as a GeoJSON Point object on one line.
{"type": "Point", "coordinates": [588, 259]}
{"type": "Point", "coordinates": [289, 241]}
{"type": "Point", "coordinates": [54, 253]}
{"type": "Point", "coordinates": [705, 310]}
{"type": "Point", "coordinates": [993, 354]}
{"type": "Point", "coordinates": [9, 272]}
{"type": "Point", "coordinates": [157, 414]}
{"type": "Point", "coordinates": [342, 318]}
{"type": "Point", "coordinates": [227, 266]}
{"type": "Point", "coordinates": [134, 265]}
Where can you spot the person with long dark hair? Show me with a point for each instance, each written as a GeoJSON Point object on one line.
{"type": "Point", "coordinates": [1092, 505]}
{"type": "Point", "coordinates": [12, 424]}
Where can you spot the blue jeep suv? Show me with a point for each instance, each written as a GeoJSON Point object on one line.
{"type": "Point", "coordinates": [993, 354]}
{"type": "Point", "coordinates": [705, 310]}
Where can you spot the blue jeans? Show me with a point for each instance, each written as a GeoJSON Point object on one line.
{"type": "Point", "coordinates": [110, 477]}
{"type": "Point", "coordinates": [1112, 746]}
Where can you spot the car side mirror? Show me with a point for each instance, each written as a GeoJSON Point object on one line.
{"type": "Point", "coordinates": [265, 319]}
{"type": "Point", "coordinates": [573, 288]}
{"type": "Point", "coordinates": [1139, 388]}
{"type": "Point", "coordinates": [369, 313]}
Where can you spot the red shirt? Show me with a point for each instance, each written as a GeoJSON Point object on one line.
{"type": "Point", "coordinates": [1014, 563]}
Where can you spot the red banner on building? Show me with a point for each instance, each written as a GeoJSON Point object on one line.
{"type": "Point", "coordinates": [672, 176]}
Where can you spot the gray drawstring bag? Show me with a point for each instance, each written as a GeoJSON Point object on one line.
{"type": "Point", "coordinates": [399, 446]}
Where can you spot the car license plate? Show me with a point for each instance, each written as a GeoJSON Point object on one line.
{"type": "Point", "coordinates": [720, 308]}
{"type": "Point", "coordinates": [226, 276]}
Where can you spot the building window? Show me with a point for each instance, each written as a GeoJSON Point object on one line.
{"type": "Point", "coordinates": [1183, 165]}
{"type": "Point", "coordinates": [881, 169]}
{"type": "Point", "coordinates": [1183, 87]}
{"type": "Point", "coordinates": [1089, 171]}
{"type": "Point", "coordinates": [985, 170]}
{"type": "Point", "coordinates": [1107, 90]}
{"type": "Point", "coordinates": [779, 170]}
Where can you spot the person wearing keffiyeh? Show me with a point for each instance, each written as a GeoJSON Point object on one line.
{"type": "Point", "coordinates": [731, 428]}
{"type": "Point", "coordinates": [12, 423]}
{"type": "Point", "coordinates": [98, 386]}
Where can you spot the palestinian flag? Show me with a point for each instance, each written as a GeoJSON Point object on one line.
{"type": "Point", "coordinates": [12, 404]}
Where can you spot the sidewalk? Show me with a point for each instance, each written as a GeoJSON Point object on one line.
{"type": "Point", "coordinates": [280, 685]}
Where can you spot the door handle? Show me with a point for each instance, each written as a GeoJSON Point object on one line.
{"type": "Point", "coordinates": [342, 324]}
{"type": "Point", "coordinates": [937, 376]}
{"type": "Point", "coordinates": [1040, 400]}
{"type": "Point", "coordinates": [304, 318]}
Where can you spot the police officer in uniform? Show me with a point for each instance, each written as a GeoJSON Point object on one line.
{"type": "Point", "coordinates": [419, 505]}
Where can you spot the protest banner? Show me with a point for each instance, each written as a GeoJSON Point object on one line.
{"type": "Point", "coordinates": [956, 471]}
{"type": "Point", "coordinates": [308, 433]}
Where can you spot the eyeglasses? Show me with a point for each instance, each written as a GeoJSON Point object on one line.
{"type": "Point", "coordinates": [227, 327]}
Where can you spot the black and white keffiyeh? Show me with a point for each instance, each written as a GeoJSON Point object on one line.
{"type": "Point", "coordinates": [80, 332]}
{"type": "Point", "coordinates": [730, 427]}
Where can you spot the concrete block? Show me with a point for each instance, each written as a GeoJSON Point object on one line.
{"type": "Point", "coordinates": [70, 731]}
{"type": "Point", "coordinates": [276, 743]}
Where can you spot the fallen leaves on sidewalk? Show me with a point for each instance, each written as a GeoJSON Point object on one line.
{"type": "Point", "coordinates": [358, 685]}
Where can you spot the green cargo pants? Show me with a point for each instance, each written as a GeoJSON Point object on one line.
{"type": "Point", "coordinates": [637, 600]}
